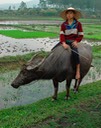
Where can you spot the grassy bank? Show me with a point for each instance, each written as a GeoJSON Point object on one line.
{"type": "Point", "coordinates": [83, 110]}
{"type": "Point", "coordinates": [13, 62]}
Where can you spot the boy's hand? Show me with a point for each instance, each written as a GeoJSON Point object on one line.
{"type": "Point", "coordinates": [66, 46]}
{"type": "Point", "coordinates": [75, 44]}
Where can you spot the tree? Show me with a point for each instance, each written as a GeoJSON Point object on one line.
{"type": "Point", "coordinates": [9, 8]}
{"type": "Point", "coordinates": [42, 4]}
{"type": "Point", "coordinates": [22, 6]}
{"type": "Point", "coordinates": [14, 8]}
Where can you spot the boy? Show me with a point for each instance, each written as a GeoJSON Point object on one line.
{"type": "Point", "coordinates": [71, 34]}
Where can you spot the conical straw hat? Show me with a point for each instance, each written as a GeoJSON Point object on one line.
{"type": "Point", "coordinates": [77, 13]}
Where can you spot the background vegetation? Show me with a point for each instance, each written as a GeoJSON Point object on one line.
{"type": "Point", "coordinates": [89, 8]}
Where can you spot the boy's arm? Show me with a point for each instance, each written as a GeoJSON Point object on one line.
{"type": "Point", "coordinates": [80, 33]}
{"type": "Point", "coordinates": [62, 37]}
{"type": "Point", "coordinates": [62, 34]}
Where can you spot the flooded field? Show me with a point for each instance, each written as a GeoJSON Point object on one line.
{"type": "Point", "coordinates": [12, 46]}
{"type": "Point", "coordinates": [33, 92]}
{"type": "Point", "coordinates": [36, 90]}
{"type": "Point", "coordinates": [31, 22]}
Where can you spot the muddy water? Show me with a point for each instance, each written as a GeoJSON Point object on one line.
{"type": "Point", "coordinates": [35, 91]}
{"type": "Point", "coordinates": [11, 46]}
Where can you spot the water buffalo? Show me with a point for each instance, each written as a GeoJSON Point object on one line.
{"type": "Point", "coordinates": [58, 66]}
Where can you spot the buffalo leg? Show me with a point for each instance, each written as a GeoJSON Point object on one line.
{"type": "Point", "coordinates": [68, 82]}
{"type": "Point", "coordinates": [79, 82]}
{"type": "Point", "coordinates": [55, 83]}
{"type": "Point", "coordinates": [76, 86]}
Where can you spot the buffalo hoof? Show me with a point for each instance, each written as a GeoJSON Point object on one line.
{"type": "Point", "coordinates": [54, 98]}
{"type": "Point", "coordinates": [67, 97]}
{"type": "Point", "coordinates": [75, 90]}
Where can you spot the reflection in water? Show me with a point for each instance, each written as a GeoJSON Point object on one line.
{"type": "Point", "coordinates": [35, 91]}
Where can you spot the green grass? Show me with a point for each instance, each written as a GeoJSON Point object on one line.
{"type": "Point", "coordinates": [83, 20]}
{"type": "Point", "coordinates": [90, 20]}
{"type": "Point", "coordinates": [30, 18]}
{"type": "Point", "coordinates": [96, 51]}
{"type": "Point", "coordinates": [86, 114]}
{"type": "Point", "coordinates": [81, 111]}
{"type": "Point", "coordinates": [91, 31]}
{"type": "Point", "coordinates": [23, 34]}
{"type": "Point", "coordinates": [24, 57]}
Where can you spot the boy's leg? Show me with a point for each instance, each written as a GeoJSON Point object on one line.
{"type": "Point", "coordinates": [77, 61]}
{"type": "Point", "coordinates": [77, 71]}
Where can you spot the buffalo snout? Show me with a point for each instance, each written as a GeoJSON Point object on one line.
{"type": "Point", "coordinates": [14, 86]}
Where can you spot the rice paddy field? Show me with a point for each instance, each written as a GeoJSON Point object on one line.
{"type": "Point", "coordinates": [28, 34]}
{"type": "Point", "coordinates": [91, 31]}
{"type": "Point", "coordinates": [30, 106]}
{"type": "Point", "coordinates": [84, 20]}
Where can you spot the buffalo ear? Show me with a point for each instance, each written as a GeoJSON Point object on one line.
{"type": "Point", "coordinates": [31, 67]}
